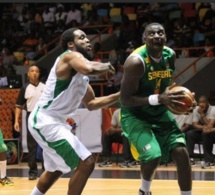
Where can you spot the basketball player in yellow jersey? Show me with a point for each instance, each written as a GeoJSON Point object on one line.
{"type": "Point", "coordinates": [150, 128]}
{"type": "Point", "coordinates": [66, 88]}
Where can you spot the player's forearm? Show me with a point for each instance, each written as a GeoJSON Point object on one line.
{"type": "Point", "coordinates": [98, 68]}
{"type": "Point", "coordinates": [134, 101]}
{"type": "Point", "coordinates": [102, 102]}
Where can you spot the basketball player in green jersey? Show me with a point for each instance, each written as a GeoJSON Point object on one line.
{"type": "Point", "coordinates": [154, 136]}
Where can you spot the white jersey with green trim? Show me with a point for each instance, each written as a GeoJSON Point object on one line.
{"type": "Point", "coordinates": [61, 98]}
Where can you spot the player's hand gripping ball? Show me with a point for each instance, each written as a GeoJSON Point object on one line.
{"type": "Point", "coordinates": [189, 102]}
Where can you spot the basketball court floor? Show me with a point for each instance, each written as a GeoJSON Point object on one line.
{"type": "Point", "coordinates": [115, 180]}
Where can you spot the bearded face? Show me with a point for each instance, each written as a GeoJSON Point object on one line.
{"type": "Point", "coordinates": [84, 51]}
{"type": "Point", "coordinates": [82, 44]}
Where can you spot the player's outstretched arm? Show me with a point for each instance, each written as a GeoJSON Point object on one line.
{"type": "Point", "coordinates": [93, 103]}
{"type": "Point", "coordinates": [86, 67]}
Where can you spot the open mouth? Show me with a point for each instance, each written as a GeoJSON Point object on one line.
{"type": "Point", "coordinates": [157, 43]}
{"type": "Point", "coordinates": [89, 48]}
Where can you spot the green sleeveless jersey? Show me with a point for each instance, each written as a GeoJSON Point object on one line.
{"type": "Point", "coordinates": [157, 76]}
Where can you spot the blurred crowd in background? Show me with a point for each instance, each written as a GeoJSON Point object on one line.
{"type": "Point", "coordinates": [27, 28]}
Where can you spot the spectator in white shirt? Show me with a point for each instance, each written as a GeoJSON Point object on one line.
{"type": "Point", "coordinates": [73, 14]}
{"type": "Point", "coordinates": [61, 14]}
{"type": "Point", "coordinates": [48, 17]}
{"type": "Point", "coordinates": [203, 124]}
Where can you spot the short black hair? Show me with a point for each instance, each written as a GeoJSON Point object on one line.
{"type": "Point", "coordinates": [152, 24]}
{"type": "Point", "coordinates": [32, 66]}
{"type": "Point", "coordinates": [204, 97]}
{"type": "Point", "coordinates": [66, 37]}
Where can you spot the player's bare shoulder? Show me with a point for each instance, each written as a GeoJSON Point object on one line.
{"type": "Point", "coordinates": [134, 59]}
{"type": "Point", "coordinates": [63, 68]}
{"type": "Point", "coordinates": [134, 63]}
{"type": "Point", "coordinates": [67, 57]}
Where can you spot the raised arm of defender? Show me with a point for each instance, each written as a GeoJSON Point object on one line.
{"type": "Point", "coordinates": [77, 62]}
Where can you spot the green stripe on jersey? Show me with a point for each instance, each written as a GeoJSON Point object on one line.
{"type": "Point", "coordinates": [61, 147]}
{"type": "Point", "coordinates": [60, 86]}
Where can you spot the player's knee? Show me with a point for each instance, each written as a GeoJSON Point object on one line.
{"type": "Point", "coordinates": [154, 162]}
{"type": "Point", "coordinates": [90, 163]}
{"type": "Point", "coordinates": [180, 154]}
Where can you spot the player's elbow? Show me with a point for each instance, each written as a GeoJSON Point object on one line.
{"type": "Point", "coordinates": [90, 106]}
{"type": "Point", "coordinates": [87, 71]}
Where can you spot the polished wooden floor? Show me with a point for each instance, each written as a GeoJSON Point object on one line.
{"type": "Point", "coordinates": [115, 180]}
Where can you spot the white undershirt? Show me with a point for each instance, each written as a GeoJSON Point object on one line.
{"type": "Point", "coordinates": [157, 60]}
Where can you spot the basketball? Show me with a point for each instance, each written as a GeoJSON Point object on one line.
{"type": "Point", "coordinates": [188, 101]}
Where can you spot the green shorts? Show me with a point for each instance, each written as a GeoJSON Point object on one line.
{"type": "Point", "coordinates": [3, 146]}
{"type": "Point", "coordinates": [149, 141]}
